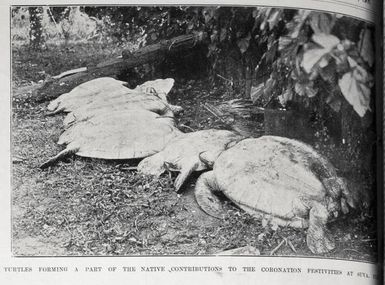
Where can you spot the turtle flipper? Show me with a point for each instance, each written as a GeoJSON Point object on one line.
{"type": "Point", "coordinates": [185, 172]}
{"type": "Point", "coordinates": [64, 153]}
{"type": "Point", "coordinates": [205, 197]}
{"type": "Point", "coordinates": [318, 237]}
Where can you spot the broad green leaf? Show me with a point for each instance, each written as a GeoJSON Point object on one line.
{"type": "Point", "coordinates": [322, 22]}
{"type": "Point", "coordinates": [355, 92]}
{"type": "Point", "coordinates": [327, 41]}
{"type": "Point", "coordinates": [256, 92]}
{"type": "Point", "coordinates": [300, 89]}
{"type": "Point", "coordinates": [286, 96]}
{"type": "Point", "coordinates": [311, 57]}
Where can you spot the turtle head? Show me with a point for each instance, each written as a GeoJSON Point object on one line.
{"type": "Point", "coordinates": [340, 196]}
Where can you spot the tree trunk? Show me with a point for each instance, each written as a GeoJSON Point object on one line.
{"type": "Point", "coordinates": [36, 27]}
{"type": "Point", "coordinates": [113, 67]}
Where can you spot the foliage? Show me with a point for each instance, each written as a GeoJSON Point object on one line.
{"type": "Point", "coordinates": [319, 57]}
{"type": "Point", "coordinates": [36, 31]}
{"type": "Point", "coordinates": [62, 25]}
{"type": "Point", "coordinates": [309, 53]}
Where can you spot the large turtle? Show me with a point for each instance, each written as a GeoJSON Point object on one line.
{"type": "Point", "coordinates": [128, 102]}
{"type": "Point", "coordinates": [108, 89]}
{"type": "Point", "coordinates": [117, 135]}
{"type": "Point", "coordinates": [182, 153]}
{"type": "Point", "coordinates": [281, 180]}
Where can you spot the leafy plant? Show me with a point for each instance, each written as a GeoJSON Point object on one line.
{"type": "Point", "coordinates": [318, 57]}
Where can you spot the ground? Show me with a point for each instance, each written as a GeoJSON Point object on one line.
{"type": "Point", "coordinates": [95, 207]}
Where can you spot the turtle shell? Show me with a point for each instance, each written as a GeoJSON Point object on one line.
{"type": "Point", "coordinates": [274, 176]}
{"type": "Point", "coordinates": [106, 89]}
{"type": "Point", "coordinates": [120, 135]}
{"type": "Point", "coordinates": [84, 91]}
{"type": "Point", "coordinates": [127, 102]}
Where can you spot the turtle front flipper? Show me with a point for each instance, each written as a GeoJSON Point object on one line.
{"type": "Point", "coordinates": [318, 238]}
{"type": "Point", "coordinates": [185, 172]}
{"type": "Point", "coordinates": [64, 153]}
{"type": "Point", "coordinates": [206, 199]}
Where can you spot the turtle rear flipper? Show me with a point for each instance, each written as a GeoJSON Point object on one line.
{"type": "Point", "coordinates": [318, 237]}
{"type": "Point", "coordinates": [206, 199]}
{"type": "Point", "coordinates": [61, 155]}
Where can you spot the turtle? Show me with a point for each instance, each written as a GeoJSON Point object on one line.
{"type": "Point", "coordinates": [108, 89]}
{"type": "Point", "coordinates": [117, 135]}
{"type": "Point", "coordinates": [182, 153]}
{"type": "Point", "coordinates": [278, 180]}
{"type": "Point", "coordinates": [129, 103]}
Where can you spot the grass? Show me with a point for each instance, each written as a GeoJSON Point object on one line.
{"type": "Point", "coordinates": [95, 207]}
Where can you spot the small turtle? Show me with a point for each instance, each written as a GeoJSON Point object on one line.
{"type": "Point", "coordinates": [280, 180]}
{"type": "Point", "coordinates": [182, 153]}
{"type": "Point", "coordinates": [119, 135]}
